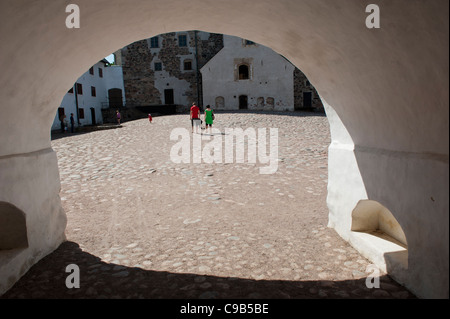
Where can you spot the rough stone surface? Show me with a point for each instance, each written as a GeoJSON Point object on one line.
{"type": "Point", "coordinates": [141, 226]}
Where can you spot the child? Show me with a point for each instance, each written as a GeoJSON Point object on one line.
{"type": "Point", "coordinates": [150, 118]}
{"type": "Point", "coordinates": [118, 117]}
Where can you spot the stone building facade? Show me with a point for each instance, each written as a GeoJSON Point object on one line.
{"type": "Point", "coordinates": [165, 70]}
{"type": "Point", "coordinates": [305, 95]}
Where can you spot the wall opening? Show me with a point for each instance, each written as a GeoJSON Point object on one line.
{"type": "Point", "coordinates": [115, 98]}
{"type": "Point", "coordinates": [243, 102]}
{"type": "Point", "coordinates": [220, 102]}
{"type": "Point", "coordinates": [375, 228]}
{"type": "Point", "coordinates": [13, 228]}
{"type": "Point", "coordinates": [243, 72]}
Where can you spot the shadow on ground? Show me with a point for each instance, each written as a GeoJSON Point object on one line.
{"type": "Point", "coordinates": [98, 279]}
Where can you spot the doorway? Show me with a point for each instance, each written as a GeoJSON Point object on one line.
{"type": "Point", "coordinates": [243, 102]}
{"type": "Point", "coordinates": [115, 98]}
{"type": "Point", "coordinates": [307, 100]}
{"type": "Point", "coordinates": [94, 122]}
{"type": "Point", "coordinates": [168, 96]}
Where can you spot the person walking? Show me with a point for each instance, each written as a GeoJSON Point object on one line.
{"type": "Point", "coordinates": [209, 118]}
{"type": "Point", "coordinates": [195, 117]}
{"type": "Point", "coordinates": [72, 123]}
{"type": "Point", "coordinates": [150, 119]}
{"type": "Point", "coordinates": [118, 117]}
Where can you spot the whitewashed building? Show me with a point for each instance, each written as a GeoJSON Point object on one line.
{"type": "Point", "coordinates": [246, 75]}
{"type": "Point", "coordinates": [100, 87]}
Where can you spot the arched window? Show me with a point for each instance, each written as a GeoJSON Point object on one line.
{"type": "Point", "coordinates": [260, 102]}
{"type": "Point", "coordinates": [243, 72]}
{"type": "Point", "coordinates": [115, 98]}
{"type": "Point", "coordinates": [220, 102]}
{"type": "Point", "coordinates": [373, 225]}
{"type": "Point", "coordinates": [270, 102]}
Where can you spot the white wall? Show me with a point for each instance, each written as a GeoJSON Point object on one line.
{"type": "Point", "coordinates": [270, 76]}
{"type": "Point", "coordinates": [112, 78]}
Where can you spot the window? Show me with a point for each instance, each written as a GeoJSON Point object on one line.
{"type": "Point", "coordinates": [79, 88]}
{"type": "Point", "coordinates": [100, 72]}
{"type": "Point", "coordinates": [81, 113]}
{"type": "Point", "coordinates": [93, 93]}
{"type": "Point", "coordinates": [158, 66]}
{"type": "Point", "coordinates": [243, 72]}
{"type": "Point", "coordinates": [71, 90]}
{"type": "Point", "coordinates": [248, 42]}
{"type": "Point", "coordinates": [187, 65]}
{"type": "Point", "coordinates": [154, 42]}
{"type": "Point", "coordinates": [182, 41]}
{"type": "Point", "coordinates": [91, 70]}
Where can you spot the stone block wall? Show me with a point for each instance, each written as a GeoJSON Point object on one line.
{"type": "Point", "coordinates": [138, 76]}
{"type": "Point", "coordinates": [138, 66]}
{"type": "Point", "coordinates": [301, 85]}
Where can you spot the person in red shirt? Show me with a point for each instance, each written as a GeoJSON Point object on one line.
{"type": "Point", "coordinates": [150, 118]}
{"type": "Point", "coordinates": [195, 117]}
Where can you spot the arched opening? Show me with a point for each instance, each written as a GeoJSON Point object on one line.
{"type": "Point", "coordinates": [380, 238]}
{"type": "Point", "coordinates": [373, 218]}
{"type": "Point", "coordinates": [115, 98]}
{"type": "Point", "coordinates": [146, 195]}
{"type": "Point", "coordinates": [219, 103]}
{"type": "Point", "coordinates": [270, 103]}
{"type": "Point", "coordinates": [243, 102]}
{"type": "Point", "coordinates": [260, 103]}
{"type": "Point", "coordinates": [244, 73]}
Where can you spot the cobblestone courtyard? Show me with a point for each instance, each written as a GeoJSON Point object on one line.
{"type": "Point", "coordinates": [141, 226]}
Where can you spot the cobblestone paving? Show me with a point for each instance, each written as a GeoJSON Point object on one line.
{"type": "Point", "coordinates": [141, 226]}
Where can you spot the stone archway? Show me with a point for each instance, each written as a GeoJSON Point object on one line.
{"type": "Point", "coordinates": [385, 146]}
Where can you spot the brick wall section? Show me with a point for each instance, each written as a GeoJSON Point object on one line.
{"type": "Point", "coordinates": [171, 55]}
{"type": "Point", "coordinates": [301, 84]}
{"type": "Point", "coordinates": [138, 77]}
{"type": "Point", "coordinates": [138, 60]}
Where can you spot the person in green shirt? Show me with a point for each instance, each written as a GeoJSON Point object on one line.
{"type": "Point", "coordinates": [209, 117]}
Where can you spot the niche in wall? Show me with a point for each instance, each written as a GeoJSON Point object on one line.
{"type": "Point", "coordinates": [373, 218]}
{"type": "Point", "coordinates": [13, 228]}
{"type": "Point", "coordinates": [375, 228]}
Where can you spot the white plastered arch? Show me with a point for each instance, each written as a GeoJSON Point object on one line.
{"type": "Point", "coordinates": [388, 89]}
